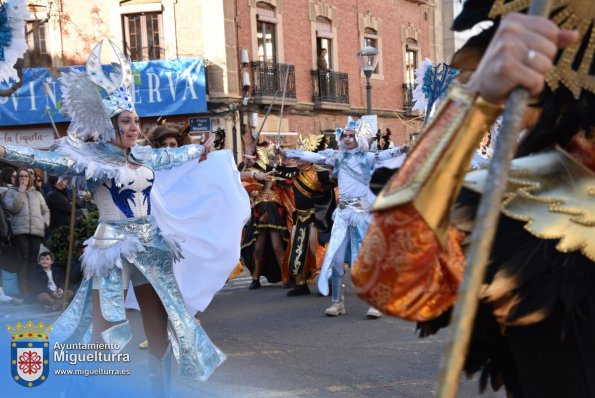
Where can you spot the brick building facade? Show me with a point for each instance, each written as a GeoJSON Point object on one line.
{"type": "Point", "coordinates": [257, 41]}
{"type": "Point", "coordinates": [404, 32]}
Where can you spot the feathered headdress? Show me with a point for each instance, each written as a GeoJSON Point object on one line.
{"type": "Point", "coordinates": [90, 111]}
{"type": "Point", "coordinates": [13, 14]}
{"type": "Point", "coordinates": [361, 127]}
{"type": "Point", "coordinates": [363, 133]}
{"type": "Point", "coordinates": [311, 143]}
{"type": "Point", "coordinates": [431, 82]}
{"type": "Point", "coordinates": [263, 151]}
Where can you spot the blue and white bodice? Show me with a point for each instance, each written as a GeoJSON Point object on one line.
{"type": "Point", "coordinates": [131, 199]}
{"type": "Point", "coordinates": [120, 191]}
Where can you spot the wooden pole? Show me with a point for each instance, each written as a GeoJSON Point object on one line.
{"type": "Point", "coordinates": [70, 248]}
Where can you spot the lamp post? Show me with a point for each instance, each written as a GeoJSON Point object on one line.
{"type": "Point", "coordinates": [245, 75]}
{"type": "Point", "coordinates": [234, 131]}
{"type": "Point", "coordinates": [368, 59]}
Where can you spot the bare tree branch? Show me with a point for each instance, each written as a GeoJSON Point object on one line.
{"type": "Point", "coordinates": [15, 86]}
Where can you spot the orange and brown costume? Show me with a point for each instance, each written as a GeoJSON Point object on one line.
{"type": "Point", "coordinates": [412, 262]}
{"type": "Point", "coordinates": [539, 291]}
{"type": "Point", "coordinates": [314, 202]}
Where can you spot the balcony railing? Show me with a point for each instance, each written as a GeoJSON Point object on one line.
{"type": "Point", "coordinates": [269, 77]}
{"type": "Point", "coordinates": [407, 97]}
{"type": "Point", "coordinates": [330, 86]}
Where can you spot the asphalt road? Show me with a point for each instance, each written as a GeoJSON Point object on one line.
{"type": "Point", "coordinates": [286, 347]}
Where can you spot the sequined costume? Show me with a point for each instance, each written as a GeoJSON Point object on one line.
{"type": "Point", "coordinates": [315, 201]}
{"type": "Point", "coordinates": [533, 333]}
{"type": "Point", "coordinates": [248, 235]}
{"type": "Point", "coordinates": [352, 169]}
{"type": "Point", "coordinates": [128, 240]}
{"type": "Point", "coordinates": [272, 211]}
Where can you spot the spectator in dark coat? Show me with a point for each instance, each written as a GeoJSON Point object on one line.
{"type": "Point", "coordinates": [59, 204]}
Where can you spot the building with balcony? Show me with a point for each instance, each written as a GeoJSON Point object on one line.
{"type": "Point", "coordinates": [318, 41]}
{"type": "Point", "coordinates": [251, 53]}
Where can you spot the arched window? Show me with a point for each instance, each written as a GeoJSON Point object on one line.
{"type": "Point", "coordinates": [38, 53]}
{"type": "Point", "coordinates": [266, 32]}
{"type": "Point", "coordinates": [37, 31]}
{"type": "Point", "coordinates": [411, 60]}
{"type": "Point", "coordinates": [324, 43]}
{"type": "Point", "coordinates": [143, 36]}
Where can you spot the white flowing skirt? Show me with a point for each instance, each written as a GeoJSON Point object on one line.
{"type": "Point", "coordinates": [202, 206]}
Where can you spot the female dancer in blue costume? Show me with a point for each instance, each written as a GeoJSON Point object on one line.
{"type": "Point", "coordinates": [134, 239]}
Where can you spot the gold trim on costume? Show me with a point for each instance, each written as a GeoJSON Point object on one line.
{"type": "Point", "coordinates": [554, 194]}
{"type": "Point", "coordinates": [267, 197]}
{"type": "Point", "coordinates": [572, 15]}
{"type": "Point", "coordinates": [432, 174]}
{"type": "Point", "coordinates": [300, 243]}
{"type": "Point", "coordinates": [304, 215]}
{"type": "Point", "coordinates": [258, 226]}
{"type": "Point", "coordinates": [309, 178]}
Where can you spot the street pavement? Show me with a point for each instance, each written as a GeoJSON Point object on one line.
{"type": "Point", "coordinates": [278, 346]}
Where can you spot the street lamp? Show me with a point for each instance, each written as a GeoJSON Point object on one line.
{"type": "Point", "coordinates": [368, 59]}
{"type": "Point", "coordinates": [243, 106]}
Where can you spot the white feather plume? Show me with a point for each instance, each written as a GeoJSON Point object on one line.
{"type": "Point", "coordinates": [419, 97]}
{"type": "Point", "coordinates": [17, 15]}
{"type": "Point", "coordinates": [82, 103]}
{"type": "Point", "coordinates": [98, 262]}
{"type": "Point", "coordinates": [91, 162]}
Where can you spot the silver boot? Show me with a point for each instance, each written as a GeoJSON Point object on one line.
{"type": "Point", "coordinates": [338, 306]}
{"type": "Point", "coordinates": [160, 374]}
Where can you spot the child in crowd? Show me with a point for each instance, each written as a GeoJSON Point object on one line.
{"type": "Point", "coordinates": [48, 283]}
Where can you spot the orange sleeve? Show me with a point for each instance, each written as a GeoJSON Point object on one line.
{"type": "Point", "coordinates": [411, 261]}
{"type": "Point", "coordinates": [403, 270]}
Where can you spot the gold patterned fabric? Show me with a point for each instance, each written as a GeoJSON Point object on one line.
{"type": "Point", "coordinates": [411, 261]}
{"type": "Point", "coordinates": [404, 270]}
{"type": "Point", "coordinates": [307, 182]}
{"type": "Point", "coordinates": [431, 176]}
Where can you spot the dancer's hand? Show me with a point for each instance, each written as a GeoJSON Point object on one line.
{"type": "Point", "coordinates": [209, 143]}
{"type": "Point", "coordinates": [263, 176]}
{"type": "Point", "coordinates": [292, 153]}
{"type": "Point", "coordinates": [520, 54]}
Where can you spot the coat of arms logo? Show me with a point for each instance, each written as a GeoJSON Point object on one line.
{"type": "Point", "coordinates": [29, 353]}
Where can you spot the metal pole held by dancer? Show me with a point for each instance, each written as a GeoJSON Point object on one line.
{"type": "Point", "coordinates": [483, 235]}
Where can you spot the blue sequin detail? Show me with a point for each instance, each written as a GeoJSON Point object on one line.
{"type": "Point", "coordinates": [436, 83]}
{"type": "Point", "coordinates": [121, 197]}
{"type": "Point", "coordinates": [364, 163]}
{"type": "Point", "coordinates": [5, 35]}
{"type": "Point", "coordinates": [147, 194]}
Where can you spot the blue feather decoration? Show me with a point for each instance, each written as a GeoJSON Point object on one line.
{"type": "Point", "coordinates": [5, 34]}
{"type": "Point", "coordinates": [13, 44]}
{"type": "Point", "coordinates": [122, 197]}
{"type": "Point", "coordinates": [432, 82]}
{"type": "Point", "coordinates": [147, 194]}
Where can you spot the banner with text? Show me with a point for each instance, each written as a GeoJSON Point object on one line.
{"type": "Point", "coordinates": [163, 87]}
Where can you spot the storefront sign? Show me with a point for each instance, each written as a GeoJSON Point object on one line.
{"type": "Point", "coordinates": [162, 88]}
{"type": "Point", "coordinates": [200, 124]}
{"type": "Point", "coordinates": [34, 138]}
